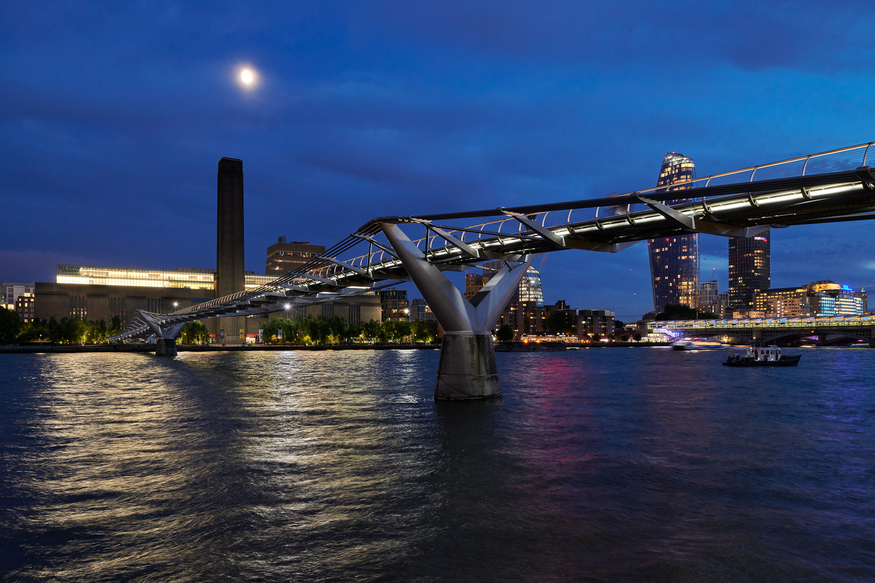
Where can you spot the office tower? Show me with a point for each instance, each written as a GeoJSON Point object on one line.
{"type": "Point", "coordinates": [749, 269]}
{"type": "Point", "coordinates": [229, 248]}
{"type": "Point", "coordinates": [674, 261]}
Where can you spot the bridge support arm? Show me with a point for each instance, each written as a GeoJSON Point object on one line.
{"type": "Point", "coordinates": [467, 368]}
{"type": "Point", "coordinates": [165, 336]}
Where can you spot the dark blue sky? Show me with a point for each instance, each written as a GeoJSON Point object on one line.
{"type": "Point", "coordinates": [113, 117]}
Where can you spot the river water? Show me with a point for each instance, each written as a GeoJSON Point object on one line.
{"type": "Point", "coordinates": [620, 464]}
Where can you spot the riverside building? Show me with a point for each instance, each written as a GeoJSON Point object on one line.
{"type": "Point", "coordinates": [674, 261]}
{"type": "Point", "coordinates": [820, 298]}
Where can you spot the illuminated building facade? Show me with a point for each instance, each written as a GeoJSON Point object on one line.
{"type": "Point", "coordinates": [530, 289]}
{"type": "Point", "coordinates": [395, 305]}
{"type": "Point", "coordinates": [821, 298]}
{"type": "Point", "coordinates": [592, 323]}
{"type": "Point", "coordinates": [10, 292]}
{"type": "Point", "coordinates": [180, 277]}
{"type": "Point", "coordinates": [24, 307]}
{"type": "Point", "coordinates": [749, 269]}
{"type": "Point", "coordinates": [674, 261]}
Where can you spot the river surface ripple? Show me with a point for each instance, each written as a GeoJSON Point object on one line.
{"type": "Point", "coordinates": [615, 464]}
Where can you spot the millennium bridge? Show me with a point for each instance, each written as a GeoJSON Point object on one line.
{"type": "Point", "coordinates": [817, 330]}
{"type": "Point", "coordinates": [826, 187]}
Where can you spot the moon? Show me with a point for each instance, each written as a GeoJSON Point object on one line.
{"type": "Point", "coordinates": [247, 77]}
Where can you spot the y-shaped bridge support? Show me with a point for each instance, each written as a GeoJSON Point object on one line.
{"type": "Point", "coordinates": [165, 338]}
{"type": "Point", "coordinates": [467, 367]}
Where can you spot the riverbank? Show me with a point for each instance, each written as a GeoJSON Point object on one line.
{"type": "Point", "coordinates": [144, 347]}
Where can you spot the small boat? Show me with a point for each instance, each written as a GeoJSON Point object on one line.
{"type": "Point", "coordinates": [698, 345]}
{"type": "Point", "coordinates": [761, 356]}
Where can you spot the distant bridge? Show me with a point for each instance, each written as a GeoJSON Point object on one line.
{"type": "Point", "coordinates": [827, 187]}
{"type": "Point", "coordinates": [826, 330]}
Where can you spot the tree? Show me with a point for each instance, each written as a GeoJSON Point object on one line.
{"type": "Point", "coordinates": [637, 337]}
{"type": "Point", "coordinates": [10, 326]}
{"type": "Point", "coordinates": [194, 333]}
{"type": "Point", "coordinates": [504, 333]}
{"type": "Point", "coordinates": [115, 326]}
{"type": "Point", "coordinates": [371, 330]}
{"type": "Point", "coordinates": [70, 331]}
{"type": "Point", "coordinates": [386, 331]}
{"type": "Point", "coordinates": [338, 329]}
{"type": "Point", "coordinates": [402, 329]}
{"type": "Point", "coordinates": [271, 326]}
{"type": "Point", "coordinates": [423, 330]}
{"type": "Point", "coordinates": [314, 329]}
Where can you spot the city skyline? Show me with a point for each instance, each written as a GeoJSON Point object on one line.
{"type": "Point", "coordinates": [112, 123]}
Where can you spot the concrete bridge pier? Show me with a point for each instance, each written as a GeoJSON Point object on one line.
{"type": "Point", "coordinates": [165, 347]}
{"type": "Point", "coordinates": [467, 369]}
{"type": "Point", "coordinates": [165, 338]}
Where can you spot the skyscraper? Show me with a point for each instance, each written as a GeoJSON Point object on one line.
{"type": "Point", "coordinates": [674, 261]}
{"type": "Point", "coordinates": [749, 269]}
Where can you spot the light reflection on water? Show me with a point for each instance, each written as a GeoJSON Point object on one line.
{"type": "Point", "coordinates": [607, 464]}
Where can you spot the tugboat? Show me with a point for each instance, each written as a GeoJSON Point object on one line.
{"type": "Point", "coordinates": [761, 356]}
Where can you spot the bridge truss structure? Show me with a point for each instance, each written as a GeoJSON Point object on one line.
{"type": "Point", "coordinates": [826, 187]}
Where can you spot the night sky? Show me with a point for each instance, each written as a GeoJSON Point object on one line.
{"type": "Point", "coordinates": [113, 117]}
